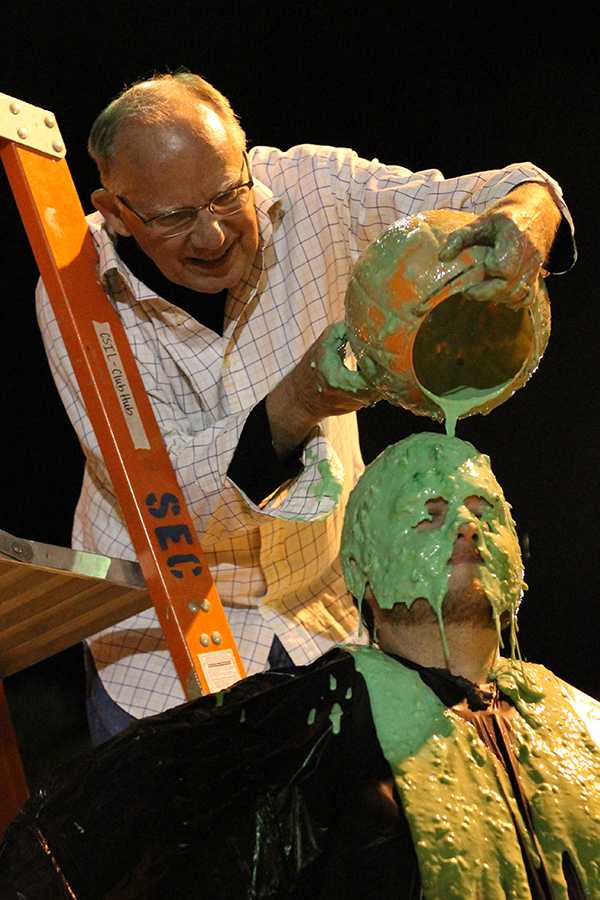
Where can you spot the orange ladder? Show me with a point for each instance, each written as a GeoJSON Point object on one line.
{"type": "Point", "coordinates": [166, 544]}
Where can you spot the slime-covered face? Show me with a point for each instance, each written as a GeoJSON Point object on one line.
{"type": "Point", "coordinates": [386, 542]}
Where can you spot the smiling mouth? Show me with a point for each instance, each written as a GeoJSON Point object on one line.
{"type": "Point", "coordinates": [215, 263]}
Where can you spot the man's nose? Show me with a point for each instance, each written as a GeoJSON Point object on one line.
{"type": "Point", "coordinates": [207, 233]}
{"type": "Point", "coordinates": [469, 532]}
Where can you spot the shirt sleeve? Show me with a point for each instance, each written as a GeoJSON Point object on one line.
{"type": "Point", "coordinates": [370, 195]}
{"type": "Point", "coordinates": [201, 452]}
{"type": "Point", "coordinates": [374, 192]}
{"type": "Point", "coordinates": [255, 467]}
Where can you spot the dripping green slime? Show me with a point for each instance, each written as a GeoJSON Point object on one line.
{"type": "Point", "coordinates": [381, 546]}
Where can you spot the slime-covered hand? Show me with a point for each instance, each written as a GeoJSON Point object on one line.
{"type": "Point", "coordinates": [317, 387]}
{"type": "Point", "coordinates": [518, 230]}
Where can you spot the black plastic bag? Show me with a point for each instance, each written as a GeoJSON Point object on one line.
{"type": "Point", "coordinates": [274, 789]}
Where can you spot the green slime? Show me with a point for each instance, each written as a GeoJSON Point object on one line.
{"type": "Point", "coordinates": [462, 401]}
{"type": "Point", "coordinates": [331, 364]}
{"type": "Point", "coordinates": [329, 485]}
{"type": "Point", "coordinates": [396, 283]}
{"type": "Point", "coordinates": [382, 548]}
{"type": "Point", "coordinates": [457, 797]}
{"type": "Point", "coordinates": [335, 717]}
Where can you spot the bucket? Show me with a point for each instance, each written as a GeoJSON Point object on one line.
{"type": "Point", "coordinates": [420, 342]}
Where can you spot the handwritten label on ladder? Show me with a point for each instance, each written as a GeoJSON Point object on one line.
{"type": "Point", "coordinates": [121, 386]}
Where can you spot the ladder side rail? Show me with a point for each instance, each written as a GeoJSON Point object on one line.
{"type": "Point", "coordinates": [13, 786]}
{"type": "Point", "coordinates": [174, 566]}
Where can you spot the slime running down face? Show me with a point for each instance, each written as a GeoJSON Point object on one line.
{"type": "Point", "coordinates": [382, 546]}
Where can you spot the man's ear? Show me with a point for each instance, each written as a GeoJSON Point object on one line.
{"type": "Point", "coordinates": [107, 204]}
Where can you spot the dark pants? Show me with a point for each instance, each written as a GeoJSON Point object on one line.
{"type": "Point", "coordinates": [107, 719]}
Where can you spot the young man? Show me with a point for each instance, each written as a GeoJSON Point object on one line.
{"type": "Point", "coordinates": [425, 766]}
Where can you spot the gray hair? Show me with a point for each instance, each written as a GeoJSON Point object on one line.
{"type": "Point", "coordinates": [149, 102]}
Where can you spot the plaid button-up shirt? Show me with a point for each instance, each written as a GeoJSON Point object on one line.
{"type": "Point", "coordinates": [276, 568]}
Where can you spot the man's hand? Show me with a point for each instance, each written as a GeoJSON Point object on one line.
{"type": "Point", "coordinates": [305, 396]}
{"type": "Point", "coordinates": [519, 230]}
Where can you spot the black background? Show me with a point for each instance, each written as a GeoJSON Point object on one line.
{"type": "Point", "coordinates": [451, 86]}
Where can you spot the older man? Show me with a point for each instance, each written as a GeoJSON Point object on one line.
{"type": "Point", "coordinates": [227, 270]}
{"type": "Point", "coordinates": [435, 768]}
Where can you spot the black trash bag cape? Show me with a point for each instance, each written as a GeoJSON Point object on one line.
{"type": "Point", "coordinates": [274, 790]}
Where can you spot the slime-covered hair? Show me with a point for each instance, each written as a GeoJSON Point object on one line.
{"type": "Point", "coordinates": [382, 548]}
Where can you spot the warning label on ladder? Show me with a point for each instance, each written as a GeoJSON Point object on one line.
{"type": "Point", "coordinates": [219, 668]}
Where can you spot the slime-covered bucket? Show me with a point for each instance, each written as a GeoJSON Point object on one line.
{"type": "Point", "coordinates": [424, 345]}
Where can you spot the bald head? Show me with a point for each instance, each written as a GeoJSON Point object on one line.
{"type": "Point", "coordinates": [162, 107]}
{"type": "Point", "coordinates": [149, 155]}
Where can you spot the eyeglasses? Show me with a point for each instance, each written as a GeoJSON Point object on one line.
{"type": "Point", "coordinates": [182, 220]}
